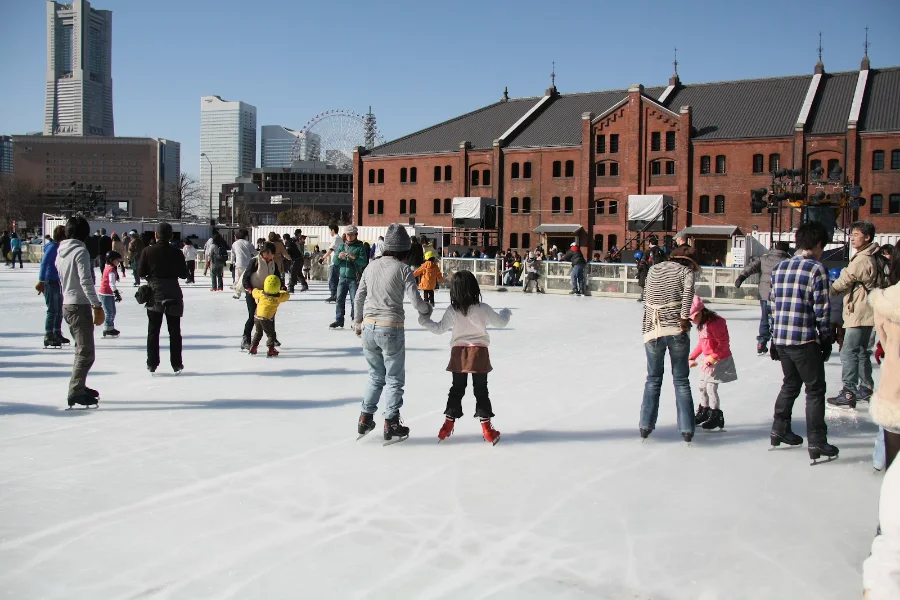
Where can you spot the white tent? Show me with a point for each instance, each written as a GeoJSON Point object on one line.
{"type": "Point", "coordinates": [647, 207]}
{"type": "Point", "coordinates": [471, 207]}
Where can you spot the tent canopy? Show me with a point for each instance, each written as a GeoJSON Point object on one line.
{"type": "Point", "coordinates": [471, 207]}
{"type": "Point", "coordinates": [647, 207]}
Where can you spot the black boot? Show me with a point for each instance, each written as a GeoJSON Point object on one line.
{"type": "Point", "coordinates": [393, 428]}
{"type": "Point", "coordinates": [85, 400]}
{"type": "Point", "coordinates": [62, 340]}
{"type": "Point", "coordinates": [716, 419]}
{"type": "Point", "coordinates": [702, 415]}
{"type": "Point", "coordinates": [645, 433]}
{"type": "Point", "coordinates": [782, 434]}
{"type": "Point", "coordinates": [761, 349]}
{"type": "Point", "coordinates": [687, 436]}
{"type": "Point", "coordinates": [366, 424]}
{"type": "Point", "coordinates": [819, 449]}
{"type": "Point", "coordinates": [92, 393]}
{"type": "Point", "coordinates": [50, 341]}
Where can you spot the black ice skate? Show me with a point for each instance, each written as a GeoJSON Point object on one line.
{"type": "Point", "coordinates": [819, 449]}
{"type": "Point", "coordinates": [111, 333]}
{"type": "Point", "coordinates": [152, 368]}
{"type": "Point", "coordinates": [761, 349]}
{"type": "Point", "coordinates": [245, 344]}
{"type": "Point", "coordinates": [85, 400]}
{"type": "Point", "coordinates": [846, 400]}
{"type": "Point", "coordinates": [394, 432]}
{"type": "Point", "coordinates": [645, 433]}
{"type": "Point", "coordinates": [702, 415]}
{"type": "Point", "coordinates": [365, 426]}
{"type": "Point", "coordinates": [92, 393]}
{"type": "Point", "coordinates": [62, 340]}
{"type": "Point", "coordinates": [687, 436]}
{"type": "Point", "coordinates": [336, 325]}
{"type": "Point", "coordinates": [784, 435]}
{"type": "Point", "coordinates": [716, 420]}
{"type": "Point", "coordinates": [51, 342]}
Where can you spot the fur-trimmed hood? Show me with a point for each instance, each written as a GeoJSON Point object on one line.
{"type": "Point", "coordinates": [885, 407]}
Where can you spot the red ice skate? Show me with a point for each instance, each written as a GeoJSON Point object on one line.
{"type": "Point", "coordinates": [272, 353]}
{"type": "Point", "coordinates": [253, 349]}
{"type": "Point", "coordinates": [446, 429]}
{"type": "Point", "coordinates": [490, 434]}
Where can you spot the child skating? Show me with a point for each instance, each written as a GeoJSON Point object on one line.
{"type": "Point", "coordinates": [379, 320]}
{"type": "Point", "coordinates": [267, 301]}
{"type": "Point", "coordinates": [109, 293]}
{"type": "Point", "coordinates": [430, 274]}
{"type": "Point", "coordinates": [469, 319]}
{"type": "Point", "coordinates": [718, 366]}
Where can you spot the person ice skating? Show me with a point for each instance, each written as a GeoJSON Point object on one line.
{"type": "Point", "coordinates": [267, 301]}
{"type": "Point", "coordinates": [254, 279]}
{"type": "Point", "coordinates": [48, 284]}
{"type": "Point", "coordinates": [885, 406]}
{"type": "Point", "coordinates": [801, 340]}
{"type": "Point", "coordinates": [468, 317]}
{"type": "Point", "coordinates": [668, 297]}
{"type": "Point", "coordinates": [837, 309]}
{"type": "Point", "coordinates": [379, 321]}
{"type": "Point", "coordinates": [162, 266]}
{"type": "Point", "coordinates": [81, 307]}
{"type": "Point", "coordinates": [864, 274]}
{"type": "Point", "coordinates": [190, 259]}
{"type": "Point", "coordinates": [6, 247]}
{"type": "Point", "coordinates": [575, 257]}
{"type": "Point", "coordinates": [763, 266]}
{"type": "Point", "coordinates": [532, 273]}
{"type": "Point", "coordinates": [281, 255]}
{"type": "Point", "coordinates": [429, 275]}
{"type": "Point", "coordinates": [118, 246]}
{"type": "Point", "coordinates": [718, 366]}
{"type": "Point", "coordinates": [295, 251]}
{"type": "Point", "coordinates": [307, 265]}
{"type": "Point", "coordinates": [15, 245]}
{"type": "Point", "coordinates": [333, 269]}
{"type": "Point", "coordinates": [881, 570]}
{"type": "Point", "coordinates": [135, 249]}
{"type": "Point", "coordinates": [207, 251]}
{"type": "Point", "coordinates": [109, 293]}
{"type": "Point", "coordinates": [243, 251]}
{"type": "Point", "coordinates": [218, 258]}
{"type": "Point", "coordinates": [351, 260]}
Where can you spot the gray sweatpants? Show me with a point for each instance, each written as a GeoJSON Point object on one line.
{"type": "Point", "coordinates": [80, 318]}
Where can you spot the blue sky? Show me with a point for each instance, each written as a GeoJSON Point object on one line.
{"type": "Point", "coordinates": [420, 62]}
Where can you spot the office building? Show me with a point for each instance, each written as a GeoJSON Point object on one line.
{"type": "Point", "coordinates": [79, 70]}
{"type": "Point", "coordinates": [227, 143]}
{"type": "Point", "coordinates": [282, 146]}
{"type": "Point", "coordinates": [6, 155]}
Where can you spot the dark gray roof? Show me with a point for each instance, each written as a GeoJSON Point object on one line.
{"type": "Point", "coordinates": [560, 123]}
{"type": "Point", "coordinates": [881, 110]}
{"type": "Point", "coordinates": [480, 127]}
{"type": "Point", "coordinates": [832, 107]}
{"type": "Point", "coordinates": [750, 108]}
{"type": "Point", "coordinates": [701, 230]}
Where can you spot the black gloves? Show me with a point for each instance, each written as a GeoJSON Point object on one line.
{"type": "Point", "coordinates": [739, 281]}
{"type": "Point", "coordinates": [773, 352]}
{"type": "Point", "coordinates": [117, 295]}
{"type": "Point", "coordinates": [825, 344]}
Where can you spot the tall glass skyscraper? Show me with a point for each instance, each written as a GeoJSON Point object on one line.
{"type": "Point", "coordinates": [278, 145]}
{"type": "Point", "coordinates": [228, 140]}
{"type": "Point", "coordinates": [6, 155]}
{"type": "Point", "coordinates": [79, 70]}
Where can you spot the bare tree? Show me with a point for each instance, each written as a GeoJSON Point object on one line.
{"type": "Point", "coordinates": [181, 198]}
{"type": "Point", "coordinates": [21, 200]}
{"type": "Point", "coordinates": [303, 215]}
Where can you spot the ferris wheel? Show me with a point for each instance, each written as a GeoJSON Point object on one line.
{"type": "Point", "coordinates": [333, 135]}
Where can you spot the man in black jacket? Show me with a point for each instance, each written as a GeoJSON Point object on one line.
{"type": "Point", "coordinates": [162, 265]}
{"type": "Point", "coordinates": [294, 247]}
{"type": "Point", "coordinates": [578, 261]}
{"type": "Point", "coordinates": [104, 247]}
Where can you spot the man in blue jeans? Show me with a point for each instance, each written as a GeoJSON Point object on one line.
{"type": "Point", "coordinates": [350, 258]}
{"type": "Point", "coordinates": [668, 294]}
{"type": "Point", "coordinates": [48, 285]}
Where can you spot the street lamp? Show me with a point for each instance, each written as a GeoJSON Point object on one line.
{"type": "Point", "coordinates": [203, 154]}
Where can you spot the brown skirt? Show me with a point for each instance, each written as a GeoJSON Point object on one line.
{"type": "Point", "coordinates": [469, 359]}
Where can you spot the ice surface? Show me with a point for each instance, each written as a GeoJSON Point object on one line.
{"type": "Point", "coordinates": [242, 478]}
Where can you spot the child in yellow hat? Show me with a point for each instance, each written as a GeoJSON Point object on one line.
{"type": "Point", "coordinates": [430, 274]}
{"type": "Point", "coordinates": [267, 301]}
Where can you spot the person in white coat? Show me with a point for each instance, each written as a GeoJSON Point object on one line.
{"type": "Point", "coordinates": [881, 571]}
{"type": "Point", "coordinates": [243, 252]}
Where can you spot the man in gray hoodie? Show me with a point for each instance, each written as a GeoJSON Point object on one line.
{"type": "Point", "coordinates": [81, 306]}
{"type": "Point", "coordinates": [763, 266]}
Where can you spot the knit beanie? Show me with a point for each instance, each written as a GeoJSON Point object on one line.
{"type": "Point", "coordinates": [396, 239]}
{"type": "Point", "coordinates": [697, 307]}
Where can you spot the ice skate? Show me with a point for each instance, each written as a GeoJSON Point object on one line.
{"type": "Point", "coordinates": [394, 432]}
{"type": "Point", "coordinates": [152, 368]}
{"type": "Point", "coordinates": [784, 435]}
{"type": "Point", "coordinates": [819, 449]}
{"type": "Point", "coordinates": [245, 344]}
{"type": "Point", "coordinates": [702, 415]}
{"type": "Point", "coordinates": [51, 342]}
{"type": "Point", "coordinates": [272, 353]}
{"type": "Point", "coordinates": [85, 400]}
{"type": "Point", "coordinates": [111, 333]}
{"type": "Point", "coordinates": [336, 325]}
{"type": "Point", "coordinates": [645, 433]}
{"type": "Point", "coordinates": [365, 426]}
{"type": "Point", "coordinates": [92, 393]}
{"type": "Point", "coordinates": [253, 349]}
{"type": "Point", "coordinates": [761, 349]}
{"type": "Point", "coordinates": [490, 434]}
{"type": "Point", "coordinates": [716, 420]}
{"type": "Point", "coordinates": [446, 429]}
{"type": "Point", "coordinates": [845, 400]}
{"type": "Point", "coordinates": [864, 394]}
{"type": "Point", "coordinates": [177, 369]}
{"type": "Point", "coordinates": [63, 340]}
{"type": "Point", "coordinates": [687, 436]}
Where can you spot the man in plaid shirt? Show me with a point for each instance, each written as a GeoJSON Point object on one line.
{"type": "Point", "coordinates": [799, 317]}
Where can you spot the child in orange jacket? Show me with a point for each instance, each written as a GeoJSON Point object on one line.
{"type": "Point", "coordinates": [430, 274]}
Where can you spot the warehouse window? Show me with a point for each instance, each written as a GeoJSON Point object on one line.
{"type": "Point", "coordinates": [601, 144]}
{"type": "Point", "coordinates": [381, 207]}
{"type": "Point", "coordinates": [670, 141]}
{"type": "Point", "coordinates": [412, 206]}
{"type": "Point", "coordinates": [437, 206]}
{"type": "Point", "coordinates": [720, 205]}
{"type": "Point", "coordinates": [613, 143]}
{"type": "Point", "coordinates": [371, 207]}
{"type": "Point", "coordinates": [878, 160]}
{"type": "Point", "coordinates": [403, 175]}
{"type": "Point", "coordinates": [601, 169]}
{"type": "Point", "coordinates": [774, 162]}
{"type": "Point", "coordinates": [655, 142]}
{"type": "Point", "coordinates": [526, 205]}
{"type": "Point", "coordinates": [720, 164]}
{"type": "Point", "coordinates": [526, 170]}
{"type": "Point", "coordinates": [437, 173]}
{"type": "Point", "coordinates": [557, 168]}
{"type": "Point", "coordinates": [704, 205]}
{"type": "Point", "coordinates": [448, 173]}
{"type": "Point", "coordinates": [704, 165]}
{"type": "Point", "coordinates": [486, 177]}
{"type": "Point", "coordinates": [569, 205]}
{"type": "Point", "coordinates": [526, 240]}
{"type": "Point", "coordinates": [654, 167]}
{"type": "Point", "coordinates": [475, 177]}
{"type": "Point", "coordinates": [372, 176]}
{"type": "Point", "coordinates": [448, 206]}
{"type": "Point", "coordinates": [876, 204]}
{"type": "Point", "coordinates": [613, 209]}
{"type": "Point", "coordinates": [570, 168]}
{"type": "Point", "coordinates": [895, 159]}
{"type": "Point", "coordinates": [613, 169]}
{"type": "Point", "coordinates": [403, 207]}
{"type": "Point", "coordinates": [380, 175]}
{"type": "Point", "coordinates": [670, 167]}
{"type": "Point", "coordinates": [412, 175]}
{"type": "Point", "coordinates": [554, 205]}
{"type": "Point", "coordinates": [894, 204]}
{"type": "Point", "coordinates": [514, 240]}
{"type": "Point", "coordinates": [513, 206]}
{"type": "Point", "coordinates": [757, 163]}
{"type": "Point", "coordinates": [514, 171]}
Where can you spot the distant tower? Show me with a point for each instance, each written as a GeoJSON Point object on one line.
{"type": "Point", "coordinates": [370, 129]}
{"type": "Point", "coordinates": [228, 141]}
{"type": "Point", "coordinates": [79, 70]}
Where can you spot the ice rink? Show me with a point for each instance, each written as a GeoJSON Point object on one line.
{"type": "Point", "coordinates": [241, 478]}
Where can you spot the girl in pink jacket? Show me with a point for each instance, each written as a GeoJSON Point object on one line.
{"type": "Point", "coordinates": [718, 366]}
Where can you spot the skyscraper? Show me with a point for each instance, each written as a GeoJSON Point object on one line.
{"type": "Point", "coordinates": [6, 155]}
{"type": "Point", "coordinates": [227, 143]}
{"type": "Point", "coordinates": [278, 145]}
{"type": "Point", "coordinates": [79, 70]}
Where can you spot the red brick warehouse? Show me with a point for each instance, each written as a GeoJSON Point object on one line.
{"type": "Point", "coordinates": [572, 160]}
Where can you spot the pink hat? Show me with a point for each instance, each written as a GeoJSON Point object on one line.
{"type": "Point", "coordinates": [696, 307]}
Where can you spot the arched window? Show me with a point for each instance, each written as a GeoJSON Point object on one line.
{"type": "Point", "coordinates": [448, 206]}
{"type": "Point", "coordinates": [670, 167]}
{"type": "Point", "coordinates": [526, 205]}
{"type": "Point", "coordinates": [654, 167]}
{"type": "Point", "coordinates": [704, 205]}
{"type": "Point", "coordinates": [486, 177]}
{"type": "Point", "coordinates": [475, 180]}
{"type": "Point", "coordinates": [437, 173]}
{"type": "Point", "coordinates": [720, 164]}
{"type": "Point", "coordinates": [514, 240]}
{"type": "Point", "coordinates": [774, 162]}
{"type": "Point", "coordinates": [514, 171]}
{"type": "Point", "coordinates": [704, 165]}
{"type": "Point", "coordinates": [437, 206]}
{"type": "Point", "coordinates": [412, 174]}
{"type": "Point", "coordinates": [557, 168]}
{"type": "Point", "coordinates": [380, 175]}
{"type": "Point", "coordinates": [598, 242]}
{"type": "Point", "coordinates": [402, 174]}
{"type": "Point", "coordinates": [526, 170]}
{"type": "Point", "coordinates": [526, 240]}
{"type": "Point", "coordinates": [612, 241]}
{"type": "Point", "coordinates": [381, 207]}
{"type": "Point", "coordinates": [569, 205]}
{"type": "Point", "coordinates": [720, 205]}
{"type": "Point", "coordinates": [554, 205]}
{"type": "Point", "coordinates": [832, 164]}
{"type": "Point", "coordinates": [371, 176]}
{"type": "Point", "coordinates": [613, 169]}
{"type": "Point", "coordinates": [513, 206]}
{"type": "Point", "coordinates": [448, 173]}
{"type": "Point", "coordinates": [371, 207]}
{"type": "Point", "coordinates": [403, 207]}
{"type": "Point", "coordinates": [412, 206]}
{"type": "Point", "coordinates": [570, 168]}
{"type": "Point", "coordinates": [670, 141]}
{"type": "Point", "coordinates": [757, 163]}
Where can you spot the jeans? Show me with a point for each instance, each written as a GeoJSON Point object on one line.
{"type": "Point", "coordinates": [346, 284]}
{"type": "Point", "coordinates": [80, 318]}
{"type": "Point", "coordinates": [17, 254]}
{"type": "Point", "coordinates": [134, 269]}
{"type": "Point", "coordinates": [802, 365]}
{"type": "Point", "coordinates": [679, 347]}
{"type": "Point", "coordinates": [155, 324]}
{"type": "Point", "coordinates": [217, 282]}
{"type": "Point", "coordinates": [191, 266]}
{"type": "Point", "coordinates": [53, 299]}
{"type": "Point", "coordinates": [333, 276]}
{"type": "Point", "coordinates": [385, 352]}
{"type": "Point", "coordinates": [578, 278]}
{"type": "Point", "coordinates": [856, 363]}
{"type": "Point", "coordinates": [764, 334]}
{"type": "Point", "coordinates": [109, 308]}
{"type": "Point", "coordinates": [458, 390]}
{"type": "Point", "coordinates": [297, 274]}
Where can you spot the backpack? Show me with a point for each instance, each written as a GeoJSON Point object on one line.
{"type": "Point", "coordinates": [881, 269]}
{"type": "Point", "coordinates": [220, 254]}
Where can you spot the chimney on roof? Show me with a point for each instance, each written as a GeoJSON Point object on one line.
{"type": "Point", "coordinates": [505, 94]}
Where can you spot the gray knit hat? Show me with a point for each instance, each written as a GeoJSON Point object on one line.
{"type": "Point", "coordinates": [396, 239]}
